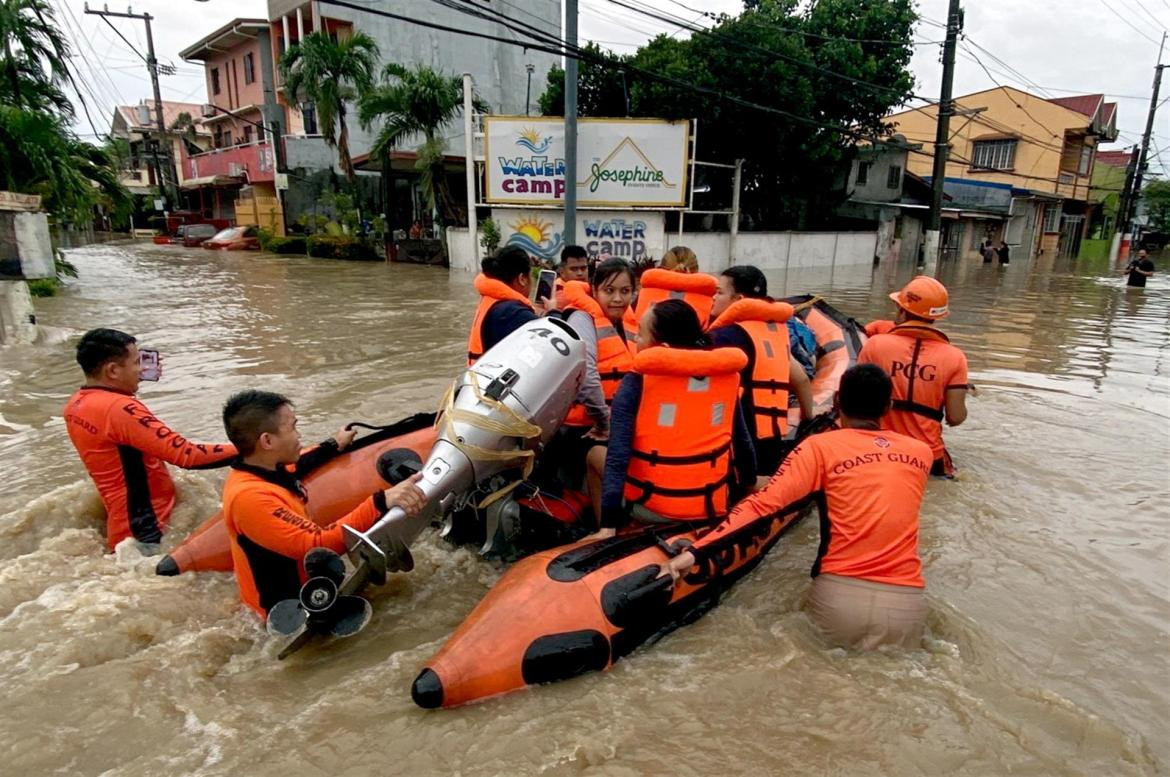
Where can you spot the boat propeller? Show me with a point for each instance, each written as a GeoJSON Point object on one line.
{"type": "Point", "coordinates": [326, 605]}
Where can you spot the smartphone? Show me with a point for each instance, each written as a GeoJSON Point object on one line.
{"type": "Point", "coordinates": [151, 366]}
{"type": "Point", "coordinates": [545, 285]}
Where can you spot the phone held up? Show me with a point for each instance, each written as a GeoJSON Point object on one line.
{"type": "Point", "coordinates": [150, 363]}
{"type": "Point", "coordinates": [545, 285]}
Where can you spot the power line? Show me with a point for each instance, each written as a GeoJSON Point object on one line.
{"type": "Point", "coordinates": [578, 53]}
{"type": "Point", "coordinates": [1131, 25]}
{"type": "Point", "coordinates": [1155, 19]}
{"type": "Point", "coordinates": [716, 33]}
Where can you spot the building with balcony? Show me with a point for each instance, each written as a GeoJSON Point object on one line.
{"type": "Point", "coordinates": [236, 178]}
{"type": "Point", "coordinates": [500, 73]}
{"type": "Point", "coordinates": [1020, 167]}
{"type": "Point", "coordinates": [136, 124]}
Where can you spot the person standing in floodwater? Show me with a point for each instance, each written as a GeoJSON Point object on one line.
{"type": "Point", "coordinates": [1139, 269]}
{"type": "Point", "coordinates": [929, 374]}
{"type": "Point", "coordinates": [123, 446]}
{"type": "Point", "coordinates": [868, 483]}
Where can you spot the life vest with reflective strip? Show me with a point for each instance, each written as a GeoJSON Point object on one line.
{"type": "Point", "coordinates": [680, 464]}
{"type": "Point", "coordinates": [695, 289]}
{"type": "Point", "coordinates": [767, 384]}
{"type": "Point", "coordinates": [491, 293]}
{"type": "Point", "coordinates": [931, 407]}
{"type": "Point", "coordinates": [615, 354]}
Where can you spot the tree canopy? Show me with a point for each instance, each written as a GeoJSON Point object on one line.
{"type": "Point", "coordinates": [39, 153]}
{"type": "Point", "coordinates": [1156, 195]}
{"type": "Point", "coordinates": [329, 73]}
{"type": "Point", "coordinates": [816, 76]}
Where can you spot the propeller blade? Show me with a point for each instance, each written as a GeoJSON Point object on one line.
{"type": "Point", "coordinates": [322, 562]}
{"type": "Point", "coordinates": [352, 613]}
{"type": "Point", "coordinates": [286, 618]}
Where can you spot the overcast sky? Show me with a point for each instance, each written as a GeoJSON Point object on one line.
{"type": "Point", "coordinates": [1065, 46]}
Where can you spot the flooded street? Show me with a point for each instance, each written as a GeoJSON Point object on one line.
{"type": "Point", "coordinates": [1047, 562]}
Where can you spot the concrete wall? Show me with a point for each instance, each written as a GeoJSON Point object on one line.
{"type": "Point", "coordinates": [766, 250]}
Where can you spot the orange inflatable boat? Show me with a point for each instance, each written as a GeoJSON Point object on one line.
{"type": "Point", "coordinates": [334, 489]}
{"type": "Point", "coordinates": [597, 601]}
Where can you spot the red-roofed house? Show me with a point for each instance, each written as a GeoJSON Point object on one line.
{"type": "Point", "coordinates": [1105, 192]}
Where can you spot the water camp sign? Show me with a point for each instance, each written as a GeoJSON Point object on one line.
{"type": "Point", "coordinates": [634, 235]}
{"type": "Point", "coordinates": [620, 162]}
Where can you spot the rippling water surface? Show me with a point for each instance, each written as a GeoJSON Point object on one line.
{"type": "Point", "coordinates": [1047, 561]}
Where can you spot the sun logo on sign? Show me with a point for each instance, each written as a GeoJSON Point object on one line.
{"type": "Point", "coordinates": [536, 237]}
{"type": "Point", "coordinates": [531, 140]}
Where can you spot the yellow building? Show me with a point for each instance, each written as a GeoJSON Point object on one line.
{"type": "Point", "coordinates": [1019, 169]}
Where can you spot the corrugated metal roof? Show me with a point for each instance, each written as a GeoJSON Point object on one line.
{"type": "Point", "coordinates": [1113, 158]}
{"type": "Point", "coordinates": [1086, 104]}
{"type": "Point", "coordinates": [171, 111]}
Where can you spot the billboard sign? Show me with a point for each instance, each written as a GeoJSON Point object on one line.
{"type": "Point", "coordinates": [637, 235]}
{"type": "Point", "coordinates": [620, 162]}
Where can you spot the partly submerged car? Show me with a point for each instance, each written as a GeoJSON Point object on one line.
{"type": "Point", "coordinates": [235, 239]}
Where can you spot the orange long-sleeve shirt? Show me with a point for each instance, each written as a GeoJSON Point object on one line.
{"type": "Point", "coordinates": [868, 486]}
{"type": "Point", "coordinates": [266, 518]}
{"type": "Point", "coordinates": [123, 447]}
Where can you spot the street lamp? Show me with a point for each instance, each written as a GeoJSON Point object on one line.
{"type": "Point", "coordinates": [531, 68]}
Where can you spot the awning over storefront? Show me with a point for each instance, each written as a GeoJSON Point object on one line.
{"type": "Point", "coordinates": [211, 181]}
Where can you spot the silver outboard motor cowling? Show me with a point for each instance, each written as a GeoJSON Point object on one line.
{"type": "Point", "coordinates": [502, 412]}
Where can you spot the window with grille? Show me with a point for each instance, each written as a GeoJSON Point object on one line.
{"type": "Point", "coordinates": [994, 154]}
{"type": "Point", "coordinates": [894, 177]}
{"type": "Point", "coordinates": [249, 68]}
{"type": "Point", "coordinates": [1086, 160]}
{"type": "Point", "coordinates": [863, 173]}
{"type": "Point", "coordinates": [215, 80]}
{"type": "Point", "coordinates": [1052, 219]}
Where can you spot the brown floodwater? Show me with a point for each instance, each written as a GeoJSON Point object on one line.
{"type": "Point", "coordinates": [1046, 561]}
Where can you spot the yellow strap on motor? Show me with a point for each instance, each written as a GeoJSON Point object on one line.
{"type": "Point", "coordinates": [806, 304]}
{"type": "Point", "coordinates": [511, 426]}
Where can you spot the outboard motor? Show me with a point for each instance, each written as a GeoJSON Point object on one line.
{"type": "Point", "coordinates": [499, 415]}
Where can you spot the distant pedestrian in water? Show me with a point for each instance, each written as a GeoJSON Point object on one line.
{"type": "Point", "coordinates": [988, 251]}
{"type": "Point", "coordinates": [1004, 253]}
{"type": "Point", "coordinates": [1139, 269]}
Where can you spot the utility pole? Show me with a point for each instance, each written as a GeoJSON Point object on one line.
{"type": "Point", "coordinates": [168, 183]}
{"type": "Point", "coordinates": [569, 235]}
{"type": "Point", "coordinates": [1123, 204]}
{"type": "Point", "coordinates": [942, 139]}
{"type": "Point", "coordinates": [1133, 187]}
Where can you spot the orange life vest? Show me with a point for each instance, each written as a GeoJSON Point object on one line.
{"type": "Point", "coordinates": [680, 464]}
{"type": "Point", "coordinates": [922, 364]}
{"type": "Point", "coordinates": [763, 321]}
{"type": "Point", "coordinates": [695, 289]}
{"type": "Point", "coordinates": [615, 354]}
{"type": "Point", "coordinates": [491, 293]}
{"type": "Point", "coordinates": [270, 532]}
{"type": "Point", "coordinates": [123, 447]}
{"type": "Point", "coordinates": [879, 327]}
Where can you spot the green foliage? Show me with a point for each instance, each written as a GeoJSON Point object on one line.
{"type": "Point", "coordinates": [417, 102]}
{"type": "Point", "coordinates": [39, 153]}
{"type": "Point", "coordinates": [44, 287]}
{"type": "Point", "coordinates": [1156, 195]}
{"type": "Point", "coordinates": [293, 244]}
{"type": "Point", "coordinates": [776, 53]}
{"type": "Point", "coordinates": [341, 247]}
{"type": "Point", "coordinates": [490, 239]}
{"type": "Point", "coordinates": [329, 74]}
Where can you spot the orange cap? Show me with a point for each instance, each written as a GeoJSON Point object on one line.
{"type": "Point", "coordinates": [923, 297]}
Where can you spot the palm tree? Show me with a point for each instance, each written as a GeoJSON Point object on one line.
{"type": "Point", "coordinates": [329, 74]}
{"type": "Point", "coordinates": [39, 155]}
{"type": "Point", "coordinates": [33, 47]}
{"type": "Point", "coordinates": [414, 102]}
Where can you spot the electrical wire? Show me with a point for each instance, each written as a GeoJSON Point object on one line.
{"type": "Point", "coordinates": [1131, 25]}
